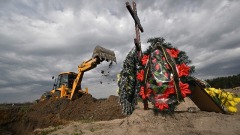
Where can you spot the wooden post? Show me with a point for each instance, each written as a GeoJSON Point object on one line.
{"type": "Point", "coordinates": [137, 40]}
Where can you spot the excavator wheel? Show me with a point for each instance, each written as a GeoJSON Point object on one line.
{"type": "Point", "coordinates": [45, 96]}
{"type": "Point", "coordinates": [56, 94]}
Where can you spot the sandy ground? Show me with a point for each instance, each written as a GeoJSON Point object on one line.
{"type": "Point", "coordinates": [143, 122]}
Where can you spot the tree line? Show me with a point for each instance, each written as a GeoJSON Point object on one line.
{"type": "Point", "coordinates": [228, 82]}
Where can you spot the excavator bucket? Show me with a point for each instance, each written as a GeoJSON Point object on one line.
{"type": "Point", "coordinates": [104, 54]}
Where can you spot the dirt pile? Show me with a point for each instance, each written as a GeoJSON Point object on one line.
{"type": "Point", "coordinates": [84, 108]}
{"type": "Point", "coordinates": [143, 122]}
{"type": "Point", "coordinates": [55, 112]}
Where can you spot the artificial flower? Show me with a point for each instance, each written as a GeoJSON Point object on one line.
{"type": "Point", "coordinates": [163, 58]}
{"type": "Point", "coordinates": [161, 106]}
{"type": "Point", "coordinates": [157, 67]}
{"type": "Point", "coordinates": [226, 99]}
{"type": "Point", "coordinates": [183, 70]}
{"type": "Point", "coordinates": [236, 99]}
{"type": "Point", "coordinates": [141, 93]}
{"type": "Point", "coordinates": [232, 109]}
{"type": "Point", "coordinates": [218, 91]}
{"type": "Point", "coordinates": [167, 66]}
{"type": "Point", "coordinates": [145, 93]}
{"type": "Point", "coordinates": [232, 103]}
{"type": "Point", "coordinates": [159, 84]}
{"type": "Point", "coordinates": [225, 103]}
{"type": "Point", "coordinates": [211, 93]}
{"type": "Point", "coordinates": [184, 89]}
{"type": "Point", "coordinates": [154, 60]}
{"type": "Point", "coordinates": [145, 59]}
{"type": "Point", "coordinates": [157, 52]}
{"type": "Point", "coordinates": [148, 85]}
{"type": "Point", "coordinates": [229, 96]}
{"type": "Point", "coordinates": [140, 75]}
{"type": "Point", "coordinates": [170, 89]}
{"type": "Point", "coordinates": [173, 52]}
{"type": "Point", "coordinates": [224, 95]}
{"type": "Point", "coordinates": [166, 74]}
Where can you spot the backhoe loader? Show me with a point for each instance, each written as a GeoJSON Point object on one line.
{"type": "Point", "coordinates": [68, 84]}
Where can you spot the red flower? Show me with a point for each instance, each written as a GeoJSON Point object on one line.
{"type": "Point", "coordinates": [144, 94]}
{"type": "Point", "coordinates": [161, 101]}
{"type": "Point", "coordinates": [157, 67]}
{"type": "Point", "coordinates": [183, 70]}
{"type": "Point", "coordinates": [170, 89]}
{"type": "Point", "coordinates": [161, 106]}
{"type": "Point", "coordinates": [184, 89]}
{"type": "Point", "coordinates": [163, 58]}
{"type": "Point", "coordinates": [173, 52]}
{"type": "Point", "coordinates": [159, 84]}
{"type": "Point", "coordinates": [140, 75]}
{"type": "Point", "coordinates": [166, 74]}
{"type": "Point", "coordinates": [154, 60]}
{"type": "Point", "coordinates": [148, 85]}
{"type": "Point", "coordinates": [145, 59]}
{"type": "Point", "coordinates": [157, 52]}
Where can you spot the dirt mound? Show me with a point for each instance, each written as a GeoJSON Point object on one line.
{"type": "Point", "coordinates": [143, 122]}
{"type": "Point", "coordinates": [55, 112]}
{"type": "Point", "coordinates": [84, 108]}
{"type": "Point", "coordinates": [88, 108]}
{"type": "Point", "coordinates": [25, 119]}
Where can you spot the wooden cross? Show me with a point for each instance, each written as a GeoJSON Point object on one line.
{"type": "Point", "coordinates": [138, 26]}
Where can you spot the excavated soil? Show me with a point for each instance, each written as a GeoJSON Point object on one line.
{"type": "Point", "coordinates": [88, 115]}
{"type": "Point", "coordinates": [53, 112]}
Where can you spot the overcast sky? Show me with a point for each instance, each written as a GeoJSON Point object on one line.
{"type": "Point", "coordinates": [39, 39]}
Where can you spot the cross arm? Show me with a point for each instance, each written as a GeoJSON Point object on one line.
{"type": "Point", "coordinates": [134, 16]}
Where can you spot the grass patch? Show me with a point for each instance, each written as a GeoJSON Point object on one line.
{"type": "Point", "coordinates": [87, 121]}
{"type": "Point", "coordinates": [78, 133]}
{"type": "Point", "coordinates": [46, 131]}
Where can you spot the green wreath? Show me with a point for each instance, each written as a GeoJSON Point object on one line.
{"type": "Point", "coordinates": [160, 77]}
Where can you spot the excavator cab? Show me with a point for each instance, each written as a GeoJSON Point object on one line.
{"type": "Point", "coordinates": [65, 78]}
{"type": "Point", "coordinates": [63, 85]}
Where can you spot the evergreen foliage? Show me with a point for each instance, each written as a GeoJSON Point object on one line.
{"type": "Point", "coordinates": [225, 82]}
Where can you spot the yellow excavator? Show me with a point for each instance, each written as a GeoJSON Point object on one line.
{"type": "Point", "coordinates": [68, 84]}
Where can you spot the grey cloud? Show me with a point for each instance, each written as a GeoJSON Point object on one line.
{"type": "Point", "coordinates": [219, 68]}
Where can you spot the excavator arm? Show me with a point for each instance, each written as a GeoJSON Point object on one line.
{"type": "Point", "coordinates": [99, 54]}
{"type": "Point", "coordinates": [85, 66]}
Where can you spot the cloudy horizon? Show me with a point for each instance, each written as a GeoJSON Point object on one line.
{"type": "Point", "coordinates": [40, 39]}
